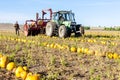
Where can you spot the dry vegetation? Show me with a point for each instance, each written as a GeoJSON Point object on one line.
{"type": "Point", "coordinates": [94, 56]}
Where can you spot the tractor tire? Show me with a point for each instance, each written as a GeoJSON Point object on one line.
{"type": "Point", "coordinates": [62, 31]}
{"type": "Point", "coordinates": [82, 31]}
{"type": "Point", "coordinates": [26, 33]}
{"type": "Point", "coordinates": [50, 27]}
{"type": "Point", "coordinates": [77, 34]}
{"type": "Point", "coordinates": [25, 28]}
{"type": "Point", "coordinates": [68, 32]}
{"type": "Point", "coordinates": [42, 31]}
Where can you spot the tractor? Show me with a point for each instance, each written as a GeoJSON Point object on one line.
{"type": "Point", "coordinates": [63, 24]}
{"type": "Point", "coordinates": [60, 23]}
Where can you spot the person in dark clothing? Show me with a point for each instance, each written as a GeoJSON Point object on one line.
{"type": "Point", "coordinates": [16, 26]}
{"type": "Point", "coordinates": [61, 19]}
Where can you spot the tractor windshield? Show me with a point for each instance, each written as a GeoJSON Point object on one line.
{"type": "Point", "coordinates": [67, 15]}
{"type": "Point", "coordinates": [72, 17]}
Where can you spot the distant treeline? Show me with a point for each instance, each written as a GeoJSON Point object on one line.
{"type": "Point", "coordinates": [115, 28]}
{"type": "Point", "coordinates": [86, 27]}
{"type": "Point", "coordinates": [112, 28]}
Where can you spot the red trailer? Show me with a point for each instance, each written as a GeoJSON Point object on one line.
{"type": "Point", "coordinates": [34, 27]}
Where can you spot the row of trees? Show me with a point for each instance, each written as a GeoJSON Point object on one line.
{"type": "Point", "coordinates": [112, 28]}
{"type": "Point", "coordinates": [87, 27]}
{"type": "Point", "coordinates": [115, 28]}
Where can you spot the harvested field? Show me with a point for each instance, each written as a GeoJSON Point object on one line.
{"type": "Point", "coordinates": [95, 56]}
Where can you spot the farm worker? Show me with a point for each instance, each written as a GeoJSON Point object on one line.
{"type": "Point", "coordinates": [16, 26]}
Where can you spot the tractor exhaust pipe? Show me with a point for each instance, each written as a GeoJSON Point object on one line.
{"type": "Point", "coordinates": [37, 16]}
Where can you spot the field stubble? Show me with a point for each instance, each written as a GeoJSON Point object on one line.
{"type": "Point", "coordinates": [60, 63]}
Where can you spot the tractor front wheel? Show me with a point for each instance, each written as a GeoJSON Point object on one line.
{"type": "Point", "coordinates": [62, 31]}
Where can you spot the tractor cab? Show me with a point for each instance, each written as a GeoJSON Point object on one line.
{"type": "Point", "coordinates": [63, 17]}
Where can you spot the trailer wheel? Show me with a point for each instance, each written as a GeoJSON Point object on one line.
{"type": "Point", "coordinates": [62, 31]}
{"type": "Point", "coordinates": [26, 33]}
{"type": "Point", "coordinates": [25, 30]}
{"type": "Point", "coordinates": [50, 27]}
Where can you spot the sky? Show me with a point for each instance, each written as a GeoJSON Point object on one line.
{"type": "Point", "coordinates": [87, 12]}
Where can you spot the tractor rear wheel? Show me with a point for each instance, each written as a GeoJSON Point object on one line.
{"type": "Point", "coordinates": [77, 34]}
{"type": "Point", "coordinates": [50, 27]}
{"type": "Point", "coordinates": [82, 31]}
{"type": "Point", "coordinates": [62, 31]}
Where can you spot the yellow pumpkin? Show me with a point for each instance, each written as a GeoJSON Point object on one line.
{"type": "Point", "coordinates": [29, 76]}
{"type": "Point", "coordinates": [35, 77]}
{"type": "Point", "coordinates": [115, 56]}
{"type": "Point", "coordinates": [32, 77]}
{"type": "Point", "coordinates": [25, 68]}
{"type": "Point", "coordinates": [23, 75]}
{"type": "Point", "coordinates": [0, 58]}
{"type": "Point", "coordinates": [18, 71]}
{"type": "Point", "coordinates": [1, 55]}
{"type": "Point", "coordinates": [110, 55]}
{"type": "Point", "coordinates": [91, 52]}
{"type": "Point", "coordinates": [3, 61]}
{"type": "Point", "coordinates": [30, 73]}
{"type": "Point", "coordinates": [10, 66]}
{"type": "Point", "coordinates": [86, 50]}
{"type": "Point", "coordinates": [73, 49]}
{"type": "Point", "coordinates": [52, 45]}
{"type": "Point", "coordinates": [79, 50]}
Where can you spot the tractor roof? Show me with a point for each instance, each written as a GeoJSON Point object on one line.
{"type": "Point", "coordinates": [62, 11]}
